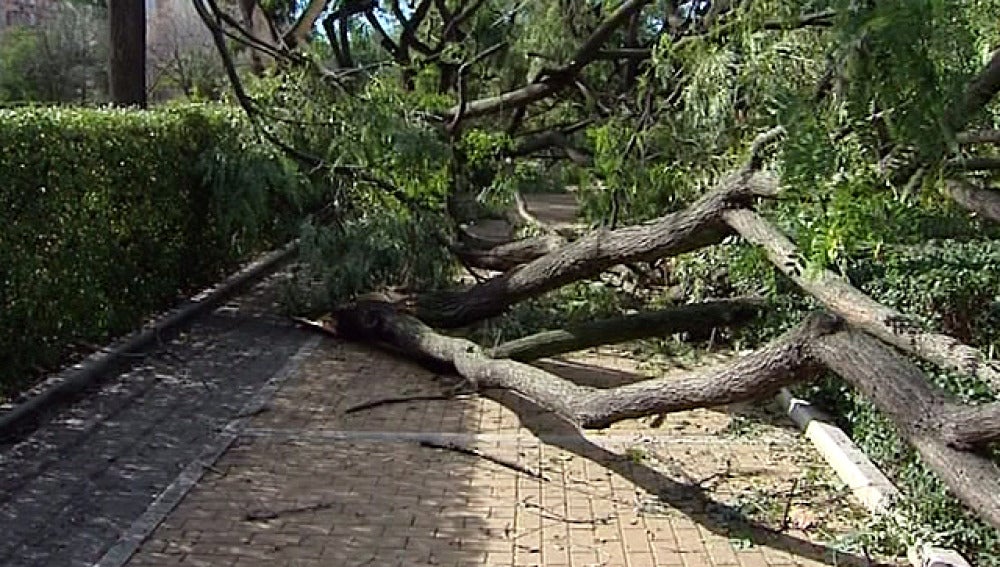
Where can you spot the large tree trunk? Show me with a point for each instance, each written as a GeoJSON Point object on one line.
{"type": "Point", "coordinates": [839, 296]}
{"type": "Point", "coordinates": [895, 385]}
{"type": "Point", "coordinates": [901, 392]}
{"type": "Point", "coordinates": [696, 317]}
{"type": "Point", "coordinates": [695, 227]}
{"type": "Point", "coordinates": [510, 255]}
{"type": "Point", "coordinates": [127, 65]}
{"type": "Point", "coordinates": [781, 363]}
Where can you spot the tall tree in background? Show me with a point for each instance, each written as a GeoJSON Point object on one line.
{"type": "Point", "coordinates": [127, 72]}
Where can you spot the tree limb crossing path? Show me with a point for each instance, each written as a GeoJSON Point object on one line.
{"type": "Point", "coordinates": [239, 443]}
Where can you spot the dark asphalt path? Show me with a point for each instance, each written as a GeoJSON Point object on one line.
{"type": "Point", "coordinates": [72, 486]}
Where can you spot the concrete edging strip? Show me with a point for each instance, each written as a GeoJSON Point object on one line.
{"type": "Point", "coordinates": [875, 491]}
{"type": "Point", "coordinates": [89, 371]}
{"type": "Point", "coordinates": [128, 543]}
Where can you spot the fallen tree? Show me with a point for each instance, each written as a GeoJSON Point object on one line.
{"type": "Point", "coordinates": [948, 435]}
{"type": "Point", "coordinates": [460, 102]}
{"type": "Point", "coordinates": [821, 342]}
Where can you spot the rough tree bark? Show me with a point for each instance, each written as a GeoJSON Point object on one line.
{"type": "Point", "coordinates": [695, 227]}
{"type": "Point", "coordinates": [839, 296]}
{"type": "Point", "coordinates": [821, 342]}
{"type": "Point", "coordinates": [127, 65]}
{"type": "Point", "coordinates": [964, 428]}
{"type": "Point", "coordinates": [781, 363]}
{"type": "Point", "coordinates": [694, 317]}
{"type": "Point", "coordinates": [982, 202]}
{"type": "Point", "coordinates": [901, 392]}
{"type": "Point", "coordinates": [557, 79]}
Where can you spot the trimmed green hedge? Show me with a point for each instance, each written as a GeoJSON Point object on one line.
{"type": "Point", "coordinates": [110, 215]}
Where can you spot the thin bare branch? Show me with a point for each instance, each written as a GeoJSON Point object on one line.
{"type": "Point", "coordinates": [557, 79]}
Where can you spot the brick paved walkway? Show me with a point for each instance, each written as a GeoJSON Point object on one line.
{"type": "Point", "coordinates": [307, 484]}
{"type": "Point", "coordinates": [69, 488]}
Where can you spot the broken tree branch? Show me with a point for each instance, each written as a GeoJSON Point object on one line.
{"type": "Point", "coordinates": [481, 455]}
{"type": "Point", "coordinates": [463, 71]}
{"type": "Point", "coordinates": [978, 137]}
{"type": "Point", "coordinates": [781, 363]}
{"type": "Point", "coordinates": [509, 255]}
{"type": "Point", "coordinates": [695, 227]}
{"type": "Point", "coordinates": [983, 202]}
{"type": "Point", "coordinates": [401, 400]}
{"type": "Point", "coordinates": [983, 87]}
{"type": "Point", "coordinates": [557, 79]}
{"type": "Point", "coordinates": [692, 317]}
{"type": "Point", "coordinates": [858, 309]}
{"type": "Point", "coordinates": [265, 514]}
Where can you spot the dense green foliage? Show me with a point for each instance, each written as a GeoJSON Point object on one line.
{"type": "Point", "coordinates": [870, 81]}
{"type": "Point", "coordinates": [110, 215]}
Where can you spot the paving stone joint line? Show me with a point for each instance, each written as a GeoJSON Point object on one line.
{"type": "Point", "coordinates": [126, 546]}
{"type": "Point", "coordinates": [336, 435]}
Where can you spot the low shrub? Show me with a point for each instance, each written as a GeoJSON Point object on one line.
{"type": "Point", "coordinates": [109, 215]}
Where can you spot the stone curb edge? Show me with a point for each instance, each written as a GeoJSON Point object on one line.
{"type": "Point", "coordinates": [859, 473]}
{"type": "Point", "coordinates": [89, 371]}
{"type": "Point", "coordinates": [131, 539]}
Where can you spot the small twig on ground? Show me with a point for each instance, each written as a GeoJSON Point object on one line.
{"type": "Point", "coordinates": [315, 325]}
{"type": "Point", "coordinates": [476, 453]}
{"type": "Point", "coordinates": [258, 515]}
{"type": "Point", "coordinates": [518, 535]}
{"type": "Point", "coordinates": [550, 515]}
{"type": "Point", "coordinates": [722, 474]}
{"type": "Point", "coordinates": [403, 400]}
{"type": "Point", "coordinates": [211, 468]}
{"type": "Point", "coordinates": [788, 505]}
{"type": "Point", "coordinates": [253, 412]}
